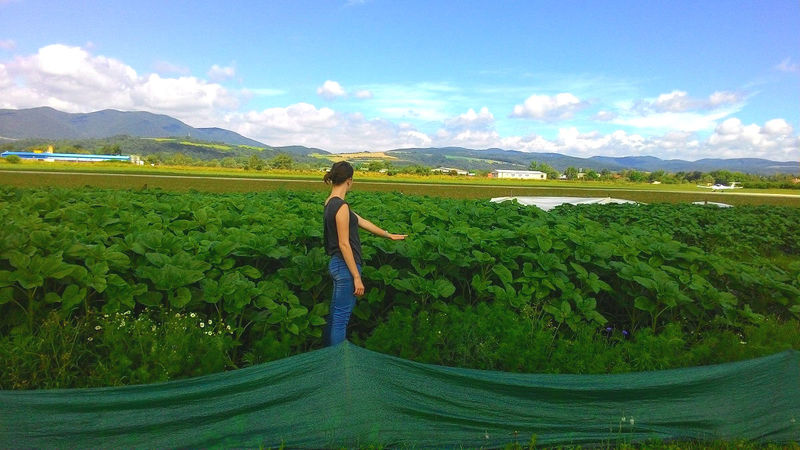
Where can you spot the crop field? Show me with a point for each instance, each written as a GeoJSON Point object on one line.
{"type": "Point", "coordinates": [117, 286]}
{"type": "Point", "coordinates": [239, 181]}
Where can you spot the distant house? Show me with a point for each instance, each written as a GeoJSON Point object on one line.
{"type": "Point", "coordinates": [518, 174]}
{"type": "Point", "coordinates": [449, 170]}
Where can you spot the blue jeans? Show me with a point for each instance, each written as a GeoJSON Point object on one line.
{"type": "Point", "coordinates": [342, 302]}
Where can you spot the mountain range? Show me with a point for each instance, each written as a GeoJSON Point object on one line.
{"type": "Point", "coordinates": [49, 123]}
{"type": "Point", "coordinates": [495, 158]}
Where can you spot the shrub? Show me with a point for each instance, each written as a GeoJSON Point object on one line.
{"type": "Point", "coordinates": [496, 338]}
{"type": "Point", "coordinates": [112, 350]}
{"type": "Point", "coordinates": [13, 159]}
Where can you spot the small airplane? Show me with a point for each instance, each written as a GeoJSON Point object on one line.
{"type": "Point", "coordinates": [721, 187]}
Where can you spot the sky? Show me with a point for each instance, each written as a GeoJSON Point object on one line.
{"type": "Point", "coordinates": [672, 79]}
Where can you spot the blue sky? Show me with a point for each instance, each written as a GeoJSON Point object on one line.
{"type": "Point", "coordinates": [674, 79]}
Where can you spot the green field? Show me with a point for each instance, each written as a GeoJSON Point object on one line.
{"type": "Point", "coordinates": [126, 176]}
{"type": "Point", "coordinates": [149, 282]}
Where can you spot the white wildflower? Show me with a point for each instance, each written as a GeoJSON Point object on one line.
{"type": "Point", "coordinates": [228, 328]}
{"type": "Point", "coordinates": [90, 339]}
{"type": "Point", "coordinates": [210, 322]}
{"type": "Point", "coordinates": [193, 315]}
{"type": "Point", "coordinates": [743, 342]}
{"type": "Point", "coordinates": [631, 421]}
{"type": "Point", "coordinates": [202, 324]}
{"type": "Point", "coordinates": [177, 314]}
{"type": "Point", "coordinates": [98, 328]}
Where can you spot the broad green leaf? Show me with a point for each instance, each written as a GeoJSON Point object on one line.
{"type": "Point", "coordinates": [444, 288]}
{"type": "Point", "coordinates": [503, 274]}
{"type": "Point", "coordinates": [6, 295]}
{"type": "Point", "coordinates": [250, 272]}
{"type": "Point", "coordinates": [118, 260]}
{"type": "Point", "coordinates": [61, 271]}
{"type": "Point", "coordinates": [180, 298]}
{"type": "Point", "coordinates": [545, 244]}
{"type": "Point", "coordinates": [6, 278]}
{"type": "Point", "coordinates": [582, 273]}
{"type": "Point", "coordinates": [644, 304]}
{"type": "Point", "coordinates": [646, 282]}
{"type": "Point", "coordinates": [297, 311]}
{"type": "Point", "coordinates": [157, 259]}
{"type": "Point", "coordinates": [150, 298]}
{"type": "Point", "coordinates": [27, 279]}
{"type": "Point", "coordinates": [71, 297]}
{"type": "Point", "coordinates": [19, 260]}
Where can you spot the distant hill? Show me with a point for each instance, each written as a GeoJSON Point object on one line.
{"type": "Point", "coordinates": [143, 146]}
{"type": "Point", "coordinates": [50, 123]}
{"type": "Point", "coordinates": [29, 126]}
{"type": "Point", "coordinates": [494, 158]}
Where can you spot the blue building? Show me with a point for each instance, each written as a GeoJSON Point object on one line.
{"type": "Point", "coordinates": [66, 156]}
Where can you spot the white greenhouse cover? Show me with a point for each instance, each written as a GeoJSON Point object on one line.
{"type": "Point", "coordinates": [548, 203]}
{"type": "Point", "coordinates": [721, 205]}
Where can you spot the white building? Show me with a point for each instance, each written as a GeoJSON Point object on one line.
{"type": "Point", "coordinates": [519, 174]}
{"type": "Point", "coordinates": [449, 170]}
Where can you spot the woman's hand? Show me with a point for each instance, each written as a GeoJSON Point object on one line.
{"type": "Point", "coordinates": [397, 237]}
{"type": "Point", "coordinates": [359, 287]}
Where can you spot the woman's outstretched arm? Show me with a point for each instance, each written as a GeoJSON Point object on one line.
{"type": "Point", "coordinates": [376, 230]}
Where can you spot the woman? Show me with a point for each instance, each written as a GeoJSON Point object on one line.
{"type": "Point", "coordinates": [344, 247]}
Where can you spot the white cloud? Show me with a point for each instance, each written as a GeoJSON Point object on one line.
{"type": "Point", "coordinates": [675, 101]}
{"type": "Point", "coordinates": [605, 116]}
{"type": "Point", "coordinates": [73, 80]}
{"type": "Point", "coordinates": [778, 127]}
{"type": "Point", "coordinates": [686, 121]}
{"type": "Point", "coordinates": [788, 66]}
{"type": "Point", "coordinates": [472, 120]}
{"type": "Point", "coordinates": [166, 67]}
{"type": "Point", "coordinates": [429, 102]}
{"type": "Point", "coordinates": [305, 124]}
{"type": "Point", "coordinates": [263, 92]}
{"type": "Point", "coordinates": [679, 101]}
{"type": "Point", "coordinates": [217, 73]}
{"type": "Point", "coordinates": [8, 44]}
{"type": "Point", "coordinates": [549, 108]}
{"type": "Point", "coordinates": [677, 111]}
{"type": "Point", "coordinates": [330, 90]}
{"type": "Point", "coordinates": [773, 141]}
{"type": "Point", "coordinates": [471, 129]}
{"type": "Point", "coordinates": [363, 94]}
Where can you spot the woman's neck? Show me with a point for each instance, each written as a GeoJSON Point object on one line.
{"type": "Point", "coordinates": [339, 191]}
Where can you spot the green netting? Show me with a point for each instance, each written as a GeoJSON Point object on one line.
{"type": "Point", "coordinates": [349, 396]}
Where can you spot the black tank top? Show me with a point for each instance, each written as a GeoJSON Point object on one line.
{"type": "Point", "coordinates": [332, 236]}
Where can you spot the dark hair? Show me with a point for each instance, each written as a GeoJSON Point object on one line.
{"type": "Point", "coordinates": [339, 173]}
